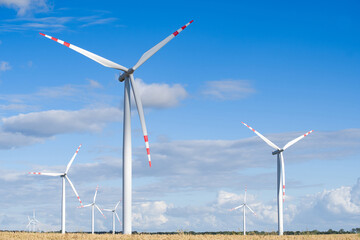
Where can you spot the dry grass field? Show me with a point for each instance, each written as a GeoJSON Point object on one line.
{"type": "Point", "coordinates": [76, 236]}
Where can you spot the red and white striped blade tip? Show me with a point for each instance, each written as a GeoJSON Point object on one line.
{"type": "Point", "coordinates": [182, 28]}
{"type": "Point", "coordinates": [147, 148]}
{"type": "Point", "coordinates": [308, 133]}
{"type": "Point", "coordinates": [35, 173]}
{"type": "Point", "coordinates": [56, 40]}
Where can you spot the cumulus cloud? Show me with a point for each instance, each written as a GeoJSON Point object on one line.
{"type": "Point", "coordinates": [50, 123]}
{"type": "Point", "coordinates": [24, 7]}
{"type": "Point", "coordinates": [228, 89]}
{"type": "Point", "coordinates": [157, 95]}
{"type": "Point", "coordinates": [4, 66]}
{"type": "Point", "coordinates": [150, 214]}
{"type": "Point", "coordinates": [9, 140]}
{"type": "Point", "coordinates": [335, 208]}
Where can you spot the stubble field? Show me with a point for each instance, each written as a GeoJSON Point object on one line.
{"type": "Point", "coordinates": [73, 236]}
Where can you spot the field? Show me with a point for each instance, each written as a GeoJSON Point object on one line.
{"type": "Point", "coordinates": [76, 236]}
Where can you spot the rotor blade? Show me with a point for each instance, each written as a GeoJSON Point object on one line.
{"type": "Point", "coordinates": [72, 186]}
{"type": "Point", "coordinates": [103, 61]}
{"type": "Point", "coordinates": [99, 210]}
{"type": "Point", "coordinates": [250, 210]}
{"type": "Point", "coordinates": [84, 206]}
{"type": "Point", "coordinates": [292, 142]}
{"type": "Point", "coordinates": [97, 187]}
{"type": "Point", "coordinates": [117, 205]}
{"type": "Point", "coordinates": [245, 194]}
{"type": "Point", "coordinates": [47, 174]}
{"type": "Point", "coordinates": [72, 159]}
{"type": "Point", "coordinates": [158, 46]}
{"type": "Point", "coordinates": [141, 115]}
{"type": "Point", "coordinates": [271, 144]}
{"type": "Point", "coordinates": [117, 216]}
{"type": "Point", "coordinates": [237, 207]}
{"type": "Point", "coordinates": [107, 210]}
{"type": "Point", "coordinates": [283, 175]}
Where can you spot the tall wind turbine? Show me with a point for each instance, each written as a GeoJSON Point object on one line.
{"type": "Point", "coordinates": [128, 77]}
{"type": "Point", "coordinates": [280, 172]}
{"type": "Point", "coordinates": [244, 206]}
{"type": "Point", "coordinates": [93, 206]}
{"type": "Point", "coordinates": [63, 176]}
{"type": "Point", "coordinates": [114, 214]}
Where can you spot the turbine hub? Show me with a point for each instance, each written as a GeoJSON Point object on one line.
{"type": "Point", "coordinates": [126, 74]}
{"type": "Point", "coordinates": [277, 151]}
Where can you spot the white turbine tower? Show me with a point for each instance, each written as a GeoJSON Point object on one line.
{"type": "Point", "coordinates": [114, 214]}
{"type": "Point", "coordinates": [63, 176]}
{"type": "Point", "coordinates": [244, 206]}
{"type": "Point", "coordinates": [280, 172]}
{"type": "Point", "coordinates": [93, 205]}
{"type": "Point", "coordinates": [128, 77]}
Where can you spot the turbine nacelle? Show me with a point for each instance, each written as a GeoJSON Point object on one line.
{"type": "Point", "coordinates": [123, 76]}
{"type": "Point", "coordinates": [277, 151]}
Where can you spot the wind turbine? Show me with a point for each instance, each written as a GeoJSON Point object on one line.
{"type": "Point", "coordinates": [63, 176]}
{"type": "Point", "coordinates": [244, 206]}
{"type": "Point", "coordinates": [93, 206]}
{"type": "Point", "coordinates": [128, 77]}
{"type": "Point", "coordinates": [114, 214]}
{"type": "Point", "coordinates": [33, 222]}
{"type": "Point", "coordinates": [280, 172]}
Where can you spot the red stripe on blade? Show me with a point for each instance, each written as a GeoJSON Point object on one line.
{"type": "Point", "coordinates": [148, 151]}
{"type": "Point", "coordinates": [191, 21]}
{"type": "Point", "coordinates": [175, 33]}
{"type": "Point", "coordinates": [67, 44]}
{"type": "Point", "coordinates": [42, 34]}
{"type": "Point", "coordinates": [146, 138]}
{"type": "Point", "coordinates": [55, 39]}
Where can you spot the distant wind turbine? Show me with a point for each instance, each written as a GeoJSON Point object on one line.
{"type": "Point", "coordinates": [33, 223]}
{"type": "Point", "coordinates": [93, 205]}
{"type": "Point", "coordinates": [128, 77]}
{"type": "Point", "coordinates": [63, 176]}
{"type": "Point", "coordinates": [114, 214]}
{"type": "Point", "coordinates": [244, 206]}
{"type": "Point", "coordinates": [280, 172]}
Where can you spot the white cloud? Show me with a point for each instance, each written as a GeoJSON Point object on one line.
{"type": "Point", "coordinates": [157, 95]}
{"type": "Point", "coordinates": [53, 122]}
{"type": "Point", "coordinates": [9, 140]}
{"type": "Point", "coordinates": [24, 7]}
{"type": "Point", "coordinates": [150, 214]}
{"type": "Point", "coordinates": [53, 24]}
{"type": "Point", "coordinates": [335, 208]}
{"type": "Point", "coordinates": [4, 66]}
{"type": "Point", "coordinates": [228, 89]}
{"type": "Point", "coordinates": [339, 201]}
{"type": "Point", "coordinates": [94, 84]}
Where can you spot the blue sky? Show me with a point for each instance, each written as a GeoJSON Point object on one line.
{"type": "Point", "coordinates": [283, 68]}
